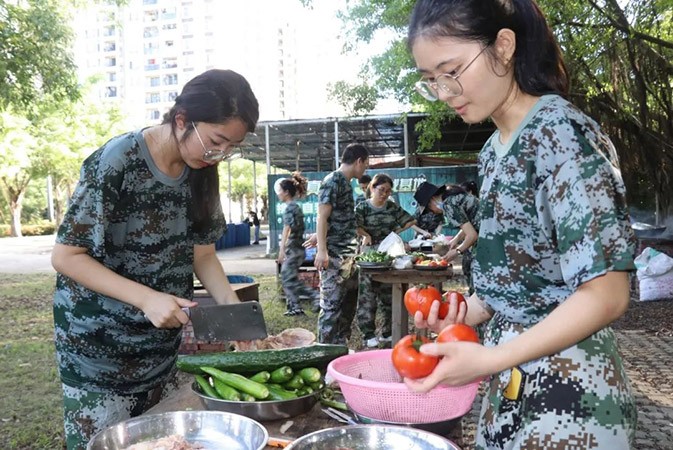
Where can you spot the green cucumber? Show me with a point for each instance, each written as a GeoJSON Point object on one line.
{"type": "Point", "coordinates": [206, 388]}
{"type": "Point", "coordinates": [282, 374]}
{"type": "Point", "coordinates": [261, 377]}
{"type": "Point", "coordinates": [248, 398]}
{"type": "Point", "coordinates": [295, 383]}
{"type": "Point", "coordinates": [316, 355]}
{"type": "Point", "coordinates": [278, 393]}
{"type": "Point", "coordinates": [226, 392]}
{"type": "Point", "coordinates": [239, 382]}
{"type": "Point", "coordinates": [318, 385]}
{"type": "Point", "coordinates": [310, 374]}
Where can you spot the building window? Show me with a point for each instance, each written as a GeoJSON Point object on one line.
{"type": "Point", "coordinates": [154, 81]}
{"type": "Point", "coordinates": [169, 63]}
{"type": "Point", "coordinates": [109, 31]}
{"type": "Point", "coordinates": [153, 114]}
{"type": "Point", "coordinates": [171, 96]}
{"type": "Point", "coordinates": [109, 47]}
{"type": "Point", "coordinates": [150, 32]}
{"type": "Point", "coordinates": [110, 91]}
{"type": "Point", "coordinates": [169, 26]}
{"type": "Point", "coordinates": [171, 79]}
{"type": "Point", "coordinates": [112, 76]}
{"type": "Point", "coordinates": [110, 61]}
{"type": "Point", "coordinates": [152, 97]}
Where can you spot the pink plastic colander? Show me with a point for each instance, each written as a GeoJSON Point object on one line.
{"type": "Point", "coordinates": [372, 388]}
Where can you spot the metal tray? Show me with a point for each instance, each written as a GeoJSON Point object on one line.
{"type": "Point", "coordinates": [211, 429]}
{"type": "Point", "coordinates": [261, 410]}
{"type": "Point", "coordinates": [366, 265]}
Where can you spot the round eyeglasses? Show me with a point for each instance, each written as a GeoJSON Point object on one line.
{"type": "Point", "coordinates": [445, 82]}
{"type": "Point", "coordinates": [214, 155]}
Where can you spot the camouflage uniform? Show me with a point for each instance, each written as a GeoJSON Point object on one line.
{"type": "Point", "coordinates": [378, 222]}
{"type": "Point", "coordinates": [338, 291]}
{"type": "Point", "coordinates": [460, 208]}
{"type": "Point", "coordinates": [295, 255]}
{"type": "Point", "coordinates": [428, 220]}
{"type": "Point", "coordinates": [553, 216]}
{"type": "Point", "coordinates": [135, 221]}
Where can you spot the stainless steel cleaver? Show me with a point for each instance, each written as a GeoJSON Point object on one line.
{"type": "Point", "coordinates": [242, 321]}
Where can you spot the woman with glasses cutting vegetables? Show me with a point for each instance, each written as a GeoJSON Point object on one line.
{"type": "Point", "coordinates": [142, 221]}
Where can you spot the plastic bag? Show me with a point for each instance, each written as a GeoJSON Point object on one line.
{"type": "Point", "coordinates": [655, 275]}
{"type": "Point", "coordinates": [392, 245]}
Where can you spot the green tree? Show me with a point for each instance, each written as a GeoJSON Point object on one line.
{"type": "Point", "coordinates": [36, 65]}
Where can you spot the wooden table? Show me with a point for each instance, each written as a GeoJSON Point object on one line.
{"type": "Point", "coordinates": [401, 279]}
{"type": "Point", "coordinates": [314, 420]}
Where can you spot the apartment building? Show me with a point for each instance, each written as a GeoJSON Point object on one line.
{"type": "Point", "coordinates": [144, 52]}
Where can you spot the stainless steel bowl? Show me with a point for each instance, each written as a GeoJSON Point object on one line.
{"type": "Point", "coordinates": [213, 430]}
{"type": "Point", "coordinates": [261, 410]}
{"type": "Point", "coordinates": [442, 428]}
{"type": "Point", "coordinates": [372, 437]}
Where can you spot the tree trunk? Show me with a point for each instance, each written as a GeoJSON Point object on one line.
{"type": "Point", "coordinates": [15, 207]}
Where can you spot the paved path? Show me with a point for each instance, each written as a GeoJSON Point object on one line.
{"type": "Point", "coordinates": [30, 254]}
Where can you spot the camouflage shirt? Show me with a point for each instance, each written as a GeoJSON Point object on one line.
{"type": "Point", "coordinates": [459, 209]}
{"type": "Point", "coordinates": [428, 220]}
{"type": "Point", "coordinates": [133, 219]}
{"type": "Point", "coordinates": [380, 222]}
{"type": "Point", "coordinates": [553, 212]}
{"type": "Point", "coordinates": [336, 190]}
{"type": "Point", "coordinates": [293, 217]}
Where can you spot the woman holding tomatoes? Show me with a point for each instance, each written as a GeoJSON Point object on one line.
{"type": "Point", "coordinates": [555, 245]}
{"type": "Point", "coordinates": [375, 219]}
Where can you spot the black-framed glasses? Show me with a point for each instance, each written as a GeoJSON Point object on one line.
{"type": "Point", "coordinates": [448, 83]}
{"type": "Point", "coordinates": [214, 155]}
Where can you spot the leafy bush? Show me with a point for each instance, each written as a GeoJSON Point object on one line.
{"type": "Point", "coordinates": [35, 229]}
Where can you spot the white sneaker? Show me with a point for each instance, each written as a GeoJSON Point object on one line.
{"type": "Point", "coordinates": [372, 343]}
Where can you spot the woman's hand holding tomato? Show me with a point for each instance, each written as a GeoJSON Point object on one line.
{"type": "Point", "coordinates": [442, 313]}
{"type": "Point", "coordinates": [409, 362]}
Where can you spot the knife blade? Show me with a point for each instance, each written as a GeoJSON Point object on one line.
{"type": "Point", "coordinates": [242, 321]}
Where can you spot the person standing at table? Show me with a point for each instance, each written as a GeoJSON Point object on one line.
{"type": "Point", "coordinates": [291, 253]}
{"type": "Point", "coordinates": [141, 223]}
{"type": "Point", "coordinates": [555, 244]}
{"type": "Point", "coordinates": [364, 182]}
{"type": "Point", "coordinates": [253, 221]}
{"type": "Point", "coordinates": [429, 218]}
{"type": "Point", "coordinates": [335, 255]}
{"type": "Point", "coordinates": [460, 211]}
{"type": "Point", "coordinates": [375, 219]}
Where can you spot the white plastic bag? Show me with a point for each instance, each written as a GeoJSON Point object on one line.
{"type": "Point", "coordinates": [392, 245]}
{"type": "Point", "coordinates": [655, 275]}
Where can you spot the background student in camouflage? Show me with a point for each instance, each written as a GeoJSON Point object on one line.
{"type": "Point", "coordinates": [291, 253]}
{"type": "Point", "coordinates": [335, 238]}
{"type": "Point", "coordinates": [363, 181]}
{"type": "Point", "coordinates": [375, 219]}
{"type": "Point", "coordinates": [459, 208]}
{"type": "Point", "coordinates": [555, 243]}
{"type": "Point", "coordinates": [430, 220]}
{"type": "Point", "coordinates": [143, 220]}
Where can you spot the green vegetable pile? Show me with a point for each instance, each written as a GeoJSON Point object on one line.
{"type": "Point", "coordinates": [282, 383]}
{"type": "Point", "coordinates": [373, 256]}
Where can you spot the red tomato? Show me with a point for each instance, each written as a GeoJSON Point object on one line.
{"type": "Point", "coordinates": [411, 300]}
{"type": "Point", "coordinates": [458, 332]}
{"type": "Point", "coordinates": [409, 362]}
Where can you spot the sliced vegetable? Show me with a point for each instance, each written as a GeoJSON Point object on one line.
{"type": "Point", "coordinates": [239, 382]}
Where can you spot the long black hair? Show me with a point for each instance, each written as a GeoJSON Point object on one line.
{"type": "Point", "coordinates": [538, 64]}
{"type": "Point", "coordinates": [296, 185]}
{"type": "Point", "coordinates": [215, 96]}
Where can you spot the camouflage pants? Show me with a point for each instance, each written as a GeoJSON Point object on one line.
{"type": "Point", "coordinates": [579, 398]}
{"type": "Point", "coordinates": [338, 303]}
{"type": "Point", "coordinates": [85, 413]}
{"type": "Point", "coordinates": [374, 296]}
{"type": "Point", "coordinates": [289, 278]}
{"type": "Point", "coordinates": [468, 257]}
